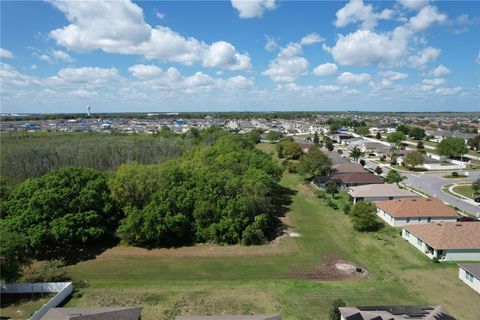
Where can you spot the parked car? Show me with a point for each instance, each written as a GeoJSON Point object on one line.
{"type": "Point", "coordinates": [477, 199]}
{"type": "Point", "coordinates": [340, 151]}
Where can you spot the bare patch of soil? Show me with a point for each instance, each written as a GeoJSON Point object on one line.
{"type": "Point", "coordinates": [332, 268]}
{"type": "Point", "coordinates": [306, 189]}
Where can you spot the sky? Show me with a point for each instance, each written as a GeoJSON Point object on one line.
{"type": "Point", "coordinates": [257, 55]}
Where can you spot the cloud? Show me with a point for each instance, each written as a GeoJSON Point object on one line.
{"type": "Point", "coordinates": [80, 93]}
{"type": "Point", "coordinates": [5, 54]}
{"type": "Point", "coordinates": [434, 82]}
{"type": "Point", "coordinates": [477, 60]}
{"type": "Point", "coordinates": [33, 67]}
{"type": "Point", "coordinates": [143, 71]}
{"type": "Point", "coordinates": [426, 17]}
{"type": "Point", "coordinates": [288, 65]}
{"type": "Point", "coordinates": [311, 38]}
{"type": "Point", "coordinates": [441, 71]}
{"type": "Point", "coordinates": [222, 53]}
{"type": "Point", "coordinates": [353, 79]}
{"type": "Point", "coordinates": [424, 57]}
{"type": "Point", "coordinates": [86, 75]}
{"type": "Point", "coordinates": [328, 88]}
{"type": "Point", "coordinates": [393, 76]}
{"type": "Point", "coordinates": [448, 91]}
{"type": "Point", "coordinates": [325, 69]}
{"type": "Point", "coordinates": [56, 55]}
{"type": "Point", "coordinates": [252, 8]}
{"type": "Point", "coordinates": [357, 11]}
{"type": "Point", "coordinates": [160, 15]}
{"type": "Point", "coordinates": [10, 77]}
{"type": "Point", "coordinates": [270, 43]}
{"type": "Point", "coordinates": [119, 27]}
{"type": "Point", "coordinates": [365, 47]}
{"type": "Point", "coordinates": [413, 4]}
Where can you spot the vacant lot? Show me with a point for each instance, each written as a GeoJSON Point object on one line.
{"type": "Point", "coordinates": [271, 278]}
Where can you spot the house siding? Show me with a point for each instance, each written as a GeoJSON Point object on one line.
{"type": "Point", "coordinates": [475, 284]}
{"type": "Point", "coordinates": [446, 255]}
{"type": "Point", "coordinates": [400, 222]}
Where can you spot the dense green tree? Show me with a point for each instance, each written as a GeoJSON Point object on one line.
{"type": "Point", "coordinates": [314, 164]}
{"type": "Point", "coordinates": [403, 129]}
{"type": "Point", "coordinates": [64, 209]}
{"type": "Point", "coordinates": [414, 159]}
{"type": "Point", "coordinates": [395, 138]}
{"type": "Point", "coordinates": [476, 186]}
{"type": "Point", "coordinates": [417, 133]}
{"type": "Point", "coordinates": [378, 136]}
{"type": "Point", "coordinates": [273, 135]}
{"type": "Point", "coordinates": [355, 154]}
{"type": "Point", "coordinates": [474, 143]}
{"type": "Point", "coordinates": [316, 139]}
{"type": "Point", "coordinates": [363, 131]}
{"type": "Point", "coordinates": [328, 143]}
{"type": "Point", "coordinates": [364, 218]}
{"type": "Point", "coordinates": [291, 150]}
{"type": "Point", "coordinates": [420, 145]}
{"type": "Point", "coordinates": [14, 253]}
{"type": "Point", "coordinates": [331, 188]}
{"type": "Point", "coordinates": [393, 177]}
{"type": "Point", "coordinates": [452, 147]}
{"type": "Point", "coordinates": [334, 312]}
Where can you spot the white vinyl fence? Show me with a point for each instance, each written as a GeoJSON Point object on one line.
{"type": "Point", "coordinates": [64, 289]}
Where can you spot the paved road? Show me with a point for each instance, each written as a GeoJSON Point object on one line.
{"type": "Point", "coordinates": [432, 183]}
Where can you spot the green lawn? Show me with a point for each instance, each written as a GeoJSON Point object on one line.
{"type": "Point", "coordinates": [267, 279]}
{"type": "Point", "coordinates": [466, 190]}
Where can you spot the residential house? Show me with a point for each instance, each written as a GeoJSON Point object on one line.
{"type": "Point", "coordinates": [400, 212]}
{"type": "Point", "coordinates": [347, 168]}
{"type": "Point", "coordinates": [378, 192]}
{"type": "Point", "coordinates": [350, 179]}
{"type": "Point", "coordinates": [117, 313]}
{"type": "Point", "coordinates": [394, 313]}
{"type": "Point", "coordinates": [445, 241]}
{"type": "Point", "coordinates": [470, 274]}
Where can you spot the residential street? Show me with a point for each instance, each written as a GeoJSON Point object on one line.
{"type": "Point", "coordinates": [432, 183]}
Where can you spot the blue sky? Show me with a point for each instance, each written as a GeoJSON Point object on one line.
{"type": "Point", "coordinates": [406, 55]}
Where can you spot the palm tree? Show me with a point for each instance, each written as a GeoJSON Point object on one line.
{"type": "Point", "coordinates": [356, 154]}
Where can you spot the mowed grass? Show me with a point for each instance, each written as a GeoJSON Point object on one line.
{"type": "Point", "coordinates": [264, 279]}
{"type": "Point", "coordinates": [467, 191]}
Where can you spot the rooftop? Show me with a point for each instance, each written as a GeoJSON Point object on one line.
{"type": "Point", "coordinates": [417, 207]}
{"type": "Point", "coordinates": [357, 177]}
{"type": "Point", "coordinates": [380, 190]}
{"type": "Point", "coordinates": [448, 235]}
{"type": "Point", "coordinates": [348, 167]}
{"type": "Point", "coordinates": [473, 268]}
{"type": "Point", "coordinates": [395, 313]}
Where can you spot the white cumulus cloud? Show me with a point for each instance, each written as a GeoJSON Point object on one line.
{"type": "Point", "coordinates": [413, 4]}
{"type": "Point", "coordinates": [252, 8]}
{"type": "Point", "coordinates": [441, 71]}
{"type": "Point", "coordinates": [325, 69]}
{"type": "Point", "coordinates": [288, 65]}
{"type": "Point", "coordinates": [426, 17]}
{"type": "Point", "coordinates": [353, 79]}
{"type": "Point", "coordinates": [393, 75]}
{"type": "Point", "coordinates": [6, 54]}
{"type": "Point", "coordinates": [424, 57]}
{"type": "Point", "coordinates": [311, 38]}
{"type": "Point", "coordinates": [357, 11]}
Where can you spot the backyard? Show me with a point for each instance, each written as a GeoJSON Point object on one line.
{"type": "Point", "coordinates": [293, 276]}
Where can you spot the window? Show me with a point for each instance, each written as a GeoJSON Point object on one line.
{"type": "Point", "coordinates": [419, 242]}
{"type": "Point", "coordinates": [419, 219]}
{"type": "Point", "coordinates": [429, 219]}
{"type": "Point", "coordinates": [407, 234]}
{"type": "Point", "coordinates": [408, 220]}
{"type": "Point", "coordinates": [468, 276]}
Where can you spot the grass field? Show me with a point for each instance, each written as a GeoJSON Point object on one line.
{"type": "Point", "coordinates": [466, 190]}
{"type": "Point", "coordinates": [21, 306]}
{"type": "Point", "coordinates": [211, 279]}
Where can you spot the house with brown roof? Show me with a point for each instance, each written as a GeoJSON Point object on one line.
{"type": "Point", "coordinates": [445, 241]}
{"type": "Point", "coordinates": [394, 313]}
{"type": "Point", "coordinates": [400, 212]}
{"type": "Point", "coordinates": [351, 179]}
{"type": "Point", "coordinates": [347, 168]}
{"type": "Point", "coordinates": [470, 274]}
{"type": "Point", "coordinates": [378, 192]}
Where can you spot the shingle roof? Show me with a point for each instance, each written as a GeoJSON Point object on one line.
{"type": "Point", "coordinates": [448, 235]}
{"type": "Point", "coordinates": [380, 190]}
{"type": "Point", "coordinates": [395, 313]}
{"type": "Point", "coordinates": [417, 207]}
{"type": "Point", "coordinates": [473, 268]}
{"type": "Point", "coordinates": [107, 313]}
{"type": "Point", "coordinates": [357, 177]}
{"type": "Point", "coordinates": [348, 167]}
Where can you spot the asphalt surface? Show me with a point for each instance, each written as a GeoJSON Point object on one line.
{"type": "Point", "coordinates": [432, 183]}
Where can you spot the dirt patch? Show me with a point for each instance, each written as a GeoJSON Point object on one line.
{"type": "Point", "coordinates": [306, 189]}
{"type": "Point", "coordinates": [332, 268]}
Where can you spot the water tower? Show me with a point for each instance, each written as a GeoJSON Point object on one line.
{"type": "Point", "coordinates": [88, 111]}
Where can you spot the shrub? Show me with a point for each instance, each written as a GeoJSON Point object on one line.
{"type": "Point", "coordinates": [363, 163]}
{"type": "Point", "coordinates": [454, 174]}
{"type": "Point", "coordinates": [321, 194]}
{"type": "Point", "coordinates": [334, 313]}
{"type": "Point", "coordinates": [347, 208]}
{"type": "Point", "coordinates": [364, 217]}
{"type": "Point", "coordinates": [332, 204]}
{"type": "Point", "coordinates": [48, 271]}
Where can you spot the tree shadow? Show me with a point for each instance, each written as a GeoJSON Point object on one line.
{"type": "Point", "coordinates": [281, 199]}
